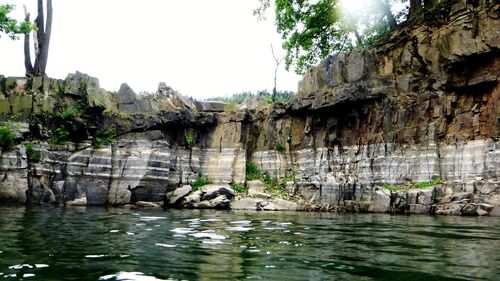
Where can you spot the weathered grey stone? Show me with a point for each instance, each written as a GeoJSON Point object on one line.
{"type": "Point", "coordinates": [220, 202]}
{"type": "Point", "coordinates": [469, 210]}
{"type": "Point", "coordinates": [449, 209]}
{"type": "Point", "coordinates": [179, 193]}
{"type": "Point", "coordinates": [419, 209]}
{"type": "Point", "coordinates": [481, 212]}
{"type": "Point", "coordinates": [245, 204]}
{"type": "Point", "coordinates": [495, 212]}
{"type": "Point", "coordinates": [261, 195]}
{"type": "Point", "coordinates": [211, 191]}
{"type": "Point", "coordinates": [191, 198]}
{"type": "Point", "coordinates": [381, 201]}
{"type": "Point", "coordinates": [145, 204]}
{"type": "Point", "coordinates": [255, 187]}
{"type": "Point", "coordinates": [78, 202]}
{"type": "Point", "coordinates": [489, 187]}
{"type": "Point", "coordinates": [284, 205]}
{"type": "Point", "coordinates": [126, 95]}
{"type": "Point", "coordinates": [13, 187]}
{"type": "Point", "coordinates": [211, 106]}
{"type": "Point", "coordinates": [485, 207]}
{"type": "Point", "coordinates": [206, 204]}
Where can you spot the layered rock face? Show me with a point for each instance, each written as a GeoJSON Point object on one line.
{"type": "Point", "coordinates": [422, 106]}
{"type": "Point", "coordinates": [159, 141]}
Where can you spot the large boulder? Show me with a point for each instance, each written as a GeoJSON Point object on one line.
{"type": "Point", "coordinates": [279, 204]}
{"type": "Point", "coordinates": [255, 187]}
{"type": "Point", "coordinates": [211, 191]}
{"type": "Point", "coordinates": [173, 197]}
{"type": "Point", "coordinates": [245, 204]}
{"type": "Point", "coordinates": [381, 201]}
{"type": "Point", "coordinates": [126, 95]}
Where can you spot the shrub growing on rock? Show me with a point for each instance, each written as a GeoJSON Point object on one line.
{"type": "Point", "coordinates": [7, 137]}
{"type": "Point", "coordinates": [32, 154]}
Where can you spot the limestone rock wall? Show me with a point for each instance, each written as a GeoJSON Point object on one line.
{"type": "Point", "coordinates": [422, 105]}
{"type": "Point", "coordinates": [425, 105]}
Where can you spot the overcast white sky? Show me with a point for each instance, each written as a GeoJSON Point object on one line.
{"type": "Point", "coordinates": [198, 47]}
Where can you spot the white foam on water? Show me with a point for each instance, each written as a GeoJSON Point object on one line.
{"type": "Point", "coordinates": [95, 256]}
{"type": "Point", "coordinates": [273, 228]}
{"type": "Point", "coordinates": [182, 230]}
{"type": "Point", "coordinates": [241, 222]}
{"type": "Point", "coordinates": [131, 276]}
{"type": "Point", "coordinates": [212, 242]}
{"type": "Point", "coordinates": [20, 266]}
{"type": "Point", "coordinates": [28, 275]}
{"type": "Point", "coordinates": [210, 220]}
{"type": "Point", "coordinates": [284, 223]}
{"type": "Point", "coordinates": [253, 250]}
{"type": "Point", "coordinates": [239, 228]}
{"type": "Point", "coordinates": [208, 234]}
{"type": "Point", "coordinates": [130, 233]}
{"type": "Point", "coordinates": [41, 265]}
{"type": "Point", "coordinates": [152, 218]}
{"type": "Point", "coordinates": [114, 231]}
{"type": "Point", "coordinates": [165, 245]}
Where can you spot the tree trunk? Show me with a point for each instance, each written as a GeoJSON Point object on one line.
{"type": "Point", "coordinates": [27, 55]}
{"type": "Point", "coordinates": [43, 37]}
{"type": "Point", "coordinates": [42, 42]}
{"type": "Point", "coordinates": [429, 3]}
{"type": "Point", "coordinates": [278, 62]}
{"type": "Point", "coordinates": [386, 9]}
{"type": "Point", "coordinates": [415, 6]}
{"type": "Point", "coordinates": [358, 37]}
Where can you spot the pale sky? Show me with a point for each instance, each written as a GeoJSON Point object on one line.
{"type": "Point", "coordinates": [198, 47]}
{"type": "Point", "coordinates": [201, 48]}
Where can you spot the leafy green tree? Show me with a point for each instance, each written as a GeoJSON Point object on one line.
{"type": "Point", "coordinates": [11, 26]}
{"type": "Point", "coordinates": [313, 29]}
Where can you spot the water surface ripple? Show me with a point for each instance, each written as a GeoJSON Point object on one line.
{"type": "Point", "coordinates": [118, 244]}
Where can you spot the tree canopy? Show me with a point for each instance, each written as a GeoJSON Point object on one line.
{"type": "Point", "coordinates": [313, 29]}
{"type": "Point", "coordinates": [11, 26]}
{"type": "Point", "coordinates": [238, 98]}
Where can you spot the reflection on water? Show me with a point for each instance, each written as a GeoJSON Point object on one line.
{"type": "Point", "coordinates": [117, 244]}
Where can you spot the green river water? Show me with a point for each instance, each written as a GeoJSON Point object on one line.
{"type": "Point", "coordinates": [117, 244]}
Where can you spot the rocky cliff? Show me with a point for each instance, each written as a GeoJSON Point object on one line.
{"type": "Point", "coordinates": [365, 130]}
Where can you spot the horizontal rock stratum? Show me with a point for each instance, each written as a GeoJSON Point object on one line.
{"type": "Point", "coordinates": [422, 106]}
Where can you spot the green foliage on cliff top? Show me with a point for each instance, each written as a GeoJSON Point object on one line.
{"type": "Point", "coordinates": [7, 137]}
{"type": "Point", "coordinates": [238, 98]}
{"type": "Point", "coordinates": [312, 30]}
